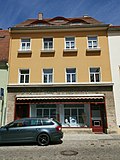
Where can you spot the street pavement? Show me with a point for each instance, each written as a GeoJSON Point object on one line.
{"type": "Point", "coordinates": [93, 136]}
{"type": "Point", "coordinates": [73, 147]}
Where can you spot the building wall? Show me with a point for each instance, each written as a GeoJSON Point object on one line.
{"type": "Point", "coordinates": [3, 84]}
{"type": "Point", "coordinates": [106, 90]}
{"type": "Point", "coordinates": [82, 61]}
{"type": "Point", "coordinates": [114, 47]}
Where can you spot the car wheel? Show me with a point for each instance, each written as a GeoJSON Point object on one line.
{"type": "Point", "coordinates": [43, 139]}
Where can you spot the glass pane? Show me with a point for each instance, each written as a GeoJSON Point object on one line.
{"type": "Point", "coordinates": [28, 45]}
{"type": "Point", "coordinates": [50, 45]}
{"type": "Point", "coordinates": [21, 78]}
{"type": "Point", "coordinates": [45, 78]}
{"type": "Point", "coordinates": [72, 45]}
{"type": "Point", "coordinates": [70, 70]}
{"type": "Point", "coordinates": [47, 70]}
{"type": "Point", "coordinates": [53, 113]}
{"type": "Point", "coordinates": [46, 113]}
{"type": "Point", "coordinates": [27, 79]}
{"type": "Point", "coordinates": [73, 78]}
{"type": "Point", "coordinates": [39, 112]}
{"type": "Point", "coordinates": [91, 77]}
{"type": "Point", "coordinates": [97, 78]}
{"type": "Point", "coordinates": [23, 45]}
{"type": "Point", "coordinates": [67, 45]}
{"type": "Point", "coordinates": [50, 78]}
{"type": "Point", "coordinates": [68, 77]}
{"type": "Point", "coordinates": [25, 40]}
{"type": "Point", "coordinates": [94, 43]}
{"type": "Point", "coordinates": [45, 45]}
{"type": "Point", "coordinates": [24, 71]}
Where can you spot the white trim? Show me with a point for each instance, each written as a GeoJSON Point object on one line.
{"type": "Point", "coordinates": [60, 84]}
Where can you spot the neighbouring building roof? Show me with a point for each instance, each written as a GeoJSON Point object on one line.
{"type": "Point", "coordinates": [4, 45]}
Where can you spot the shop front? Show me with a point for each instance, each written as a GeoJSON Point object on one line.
{"type": "Point", "coordinates": [73, 111]}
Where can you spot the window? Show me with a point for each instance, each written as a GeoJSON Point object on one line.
{"type": "Point", "coordinates": [24, 75]}
{"type": "Point", "coordinates": [69, 43]}
{"type": "Point", "coordinates": [70, 75]}
{"type": "Point", "coordinates": [76, 115]}
{"type": "Point", "coordinates": [25, 44]}
{"type": "Point", "coordinates": [48, 43]}
{"type": "Point", "coordinates": [43, 110]}
{"type": "Point", "coordinates": [95, 74]}
{"type": "Point", "coordinates": [92, 42]}
{"type": "Point", "coordinates": [47, 75]}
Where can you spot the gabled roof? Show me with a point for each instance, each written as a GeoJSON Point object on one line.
{"type": "Point", "coordinates": [59, 21]}
{"type": "Point", "coordinates": [4, 45]}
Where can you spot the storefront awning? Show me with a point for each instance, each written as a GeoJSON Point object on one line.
{"type": "Point", "coordinates": [62, 97]}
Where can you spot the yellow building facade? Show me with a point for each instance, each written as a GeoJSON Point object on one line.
{"type": "Point", "coordinates": [60, 68]}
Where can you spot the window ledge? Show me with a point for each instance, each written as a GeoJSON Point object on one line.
{"type": "Point", "coordinates": [24, 51]}
{"type": "Point", "coordinates": [93, 49]}
{"type": "Point", "coordinates": [70, 50]}
{"type": "Point", "coordinates": [48, 51]}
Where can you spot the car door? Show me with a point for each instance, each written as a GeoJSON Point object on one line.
{"type": "Point", "coordinates": [11, 132]}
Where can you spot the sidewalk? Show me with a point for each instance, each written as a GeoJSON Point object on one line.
{"type": "Point", "coordinates": [68, 136]}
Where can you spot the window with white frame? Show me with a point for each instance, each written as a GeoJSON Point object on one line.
{"type": "Point", "coordinates": [47, 43]}
{"type": "Point", "coordinates": [25, 44]}
{"type": "Point", "coordinates": [92, 42]}
{"type": "Point", "coordinates": [95, 74]}
{"type": "Point", "coordinates": [47, 75]}
{"type": "Point", "coordinates": [43, 110]}
{"type": "Point", "coordinates": [24, 76]}
{"type": "Point", "coordinates": [70, 75]}
{"type": "Point", "coordinates": [70, 43]}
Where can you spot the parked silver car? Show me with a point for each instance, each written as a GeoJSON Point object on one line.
{"type": "Point", "coordinates": [40, 130]}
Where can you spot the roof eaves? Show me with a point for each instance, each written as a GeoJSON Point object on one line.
{"type": "Point", "coordinates": [59, 27]}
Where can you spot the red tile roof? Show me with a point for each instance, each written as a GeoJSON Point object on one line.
{"type": "Point", "coordinates": [58, 21]}
{"type": "Point", "coordinates": [4, 45]}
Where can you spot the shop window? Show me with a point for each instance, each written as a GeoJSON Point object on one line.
{"type": "Point", "coordinates": [44, 111]}
{"type": "Point", "coordinates": [76, 116]}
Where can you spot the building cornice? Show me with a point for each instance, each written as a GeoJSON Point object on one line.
{"type": "Point", "coordinates": [59, 85]}
{"type": "Point", "coordinates": [61, 28]}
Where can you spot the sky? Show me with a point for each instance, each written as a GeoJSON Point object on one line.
{"type": "Point", "coordinates": [13, 12]}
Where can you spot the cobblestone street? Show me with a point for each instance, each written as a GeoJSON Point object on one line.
{"type": "Point", "coordinates": [78, 148]}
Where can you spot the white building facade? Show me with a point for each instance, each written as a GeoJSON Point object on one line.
{"type": "Point", "coordinates": [114, 50]}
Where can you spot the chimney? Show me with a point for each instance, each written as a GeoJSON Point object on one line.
{"type": "Point", "coordinates": [40, 16]}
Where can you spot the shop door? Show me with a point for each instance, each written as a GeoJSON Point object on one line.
{"type": "Point", "coordinates": [21, 111]}
{"type": "Point", "coordinates": [98, 118]}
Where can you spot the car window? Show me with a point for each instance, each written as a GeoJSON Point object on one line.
{"type": "Point", "coordinates": [47, 122]}
{"type": "Point", "coordinates": [15, 124]}
{"type": "Point", "coordinates": [32, 122]}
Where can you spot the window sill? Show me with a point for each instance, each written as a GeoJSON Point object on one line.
{"type": "Point", "coordinates": [24, 51]}
{"type": "Point", "coordinates": [93, 49]}
{"type": "Point", "coordinates": [48, 51]}
{"type": "Point", "coordinates": [70, 50]}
